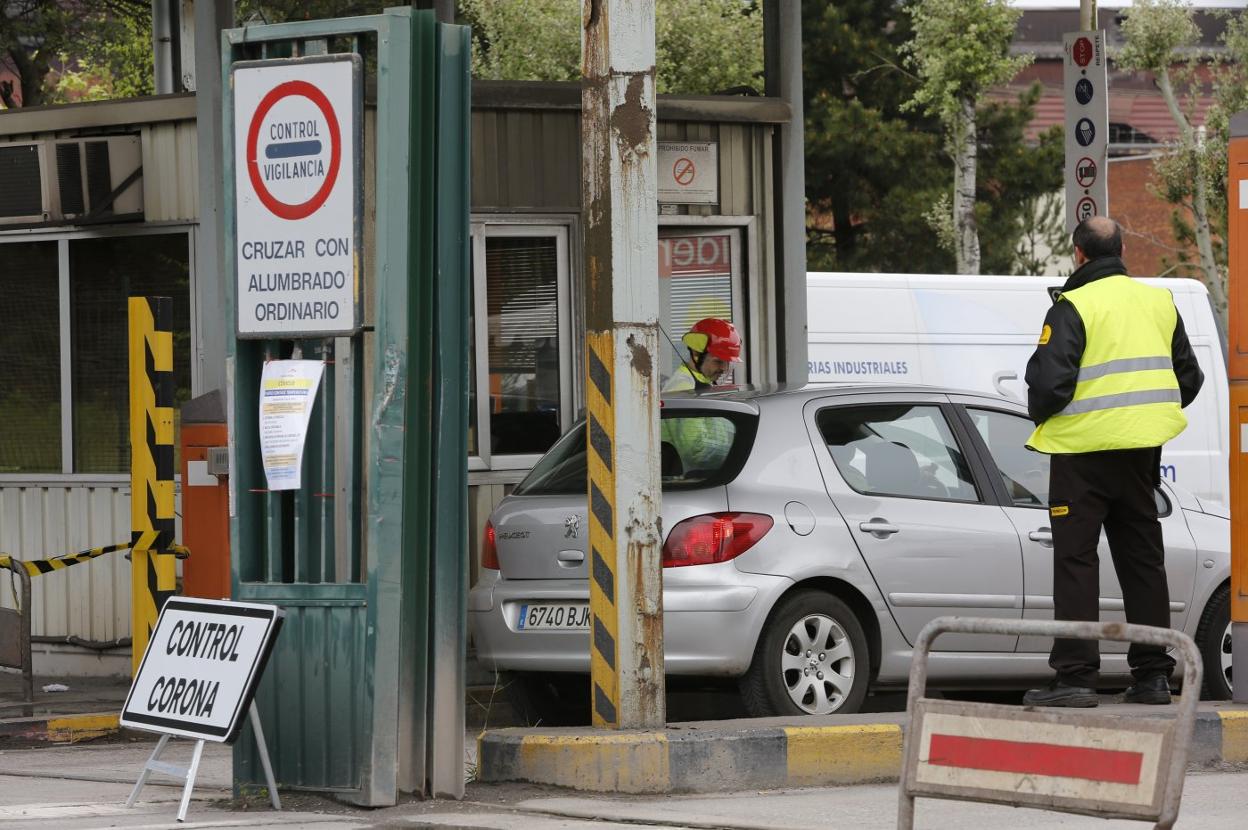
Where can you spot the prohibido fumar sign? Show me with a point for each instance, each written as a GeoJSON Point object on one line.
{"type": "Point", "coordinates": [201, 668]}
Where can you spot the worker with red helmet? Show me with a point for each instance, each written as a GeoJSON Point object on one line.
{"type": "Point", "coordinates": [698, 441]}
{"type": "Point", "coordinates": [713, 345]}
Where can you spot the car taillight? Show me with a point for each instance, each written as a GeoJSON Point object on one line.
{"type": "Point", "coordinates": [714, 537]}
{"type": "Point", "coordinates": [489, 548]}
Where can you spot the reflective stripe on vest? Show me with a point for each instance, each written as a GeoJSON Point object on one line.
{"type": "Point", "coordinates": [1126, 393]}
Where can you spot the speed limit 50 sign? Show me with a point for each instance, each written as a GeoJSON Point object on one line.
{"type": "Point", "coordinates": [297, 196]}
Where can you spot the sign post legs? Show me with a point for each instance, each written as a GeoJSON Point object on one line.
{"type": "Point", "coordinates": [263, 749]}
{"type": "Point", "coordinates": [154, 764]}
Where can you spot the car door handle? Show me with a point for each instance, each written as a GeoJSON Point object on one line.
{"type": "Point", "coordinates": [1044, 536]}
{"type": "Point", "coordinates": [878, 528]}
{"type": "Point", "coordinates": [571, 558]}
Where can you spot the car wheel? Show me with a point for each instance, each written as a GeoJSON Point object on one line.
{"type": "Point", "coordinates": [811, 659]}
{"type": "Point", "coordinates": [1214, 639]}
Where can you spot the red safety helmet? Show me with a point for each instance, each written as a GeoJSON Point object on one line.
{"type": "Point", "coordinates": [715, 337]}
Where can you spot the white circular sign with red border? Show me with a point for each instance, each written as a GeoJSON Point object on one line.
{"type": "Point", "coordinates": [294, 150]}
{"type": "Point", "coordinates": [297, 196]}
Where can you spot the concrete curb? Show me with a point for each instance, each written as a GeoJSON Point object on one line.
{"type": "Point", "coordinates": [61, 728]}
{"type": "Point", "coordinates": [732, 756]}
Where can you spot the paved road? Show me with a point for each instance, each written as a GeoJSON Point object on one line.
{"type": "Point", "coordinates": [85, 787]}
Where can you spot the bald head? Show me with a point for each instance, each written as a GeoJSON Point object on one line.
{"type": "Point", "coordinates": [1098, 236]}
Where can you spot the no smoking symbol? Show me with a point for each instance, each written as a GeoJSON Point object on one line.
{"type": "Point", "coordinates": [683, 171]}
{"type": "Point", "coordinates": [1085, 172]}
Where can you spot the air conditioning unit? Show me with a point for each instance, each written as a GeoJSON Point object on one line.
{"type": "Point", "coordinates": [77, 181]}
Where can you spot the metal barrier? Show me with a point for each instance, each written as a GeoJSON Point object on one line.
{"type": "Point", "coordinates": [1064, 760]}
{"type": "Point", "coordinates": [15, 632]}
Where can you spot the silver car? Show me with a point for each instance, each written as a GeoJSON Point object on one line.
{"type": "Point", "coordinates": [811, 533]}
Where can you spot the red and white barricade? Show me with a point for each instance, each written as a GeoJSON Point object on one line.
{"type": "Point", "coordinates": [1069, 760]}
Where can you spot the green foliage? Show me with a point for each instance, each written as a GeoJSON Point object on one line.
{"type": "Point", "coordinates": [538, 40]}
{"type": "Point", "coordinates": [116, 65]}
{"type": "Point", "coordinates": [1192, 176]}
{"type": "Point", "coordinates": [37, 36]}
{"type": "Point", "coordinates": [1154, 30]}
{"type": "Point", "coordinates": [875, 168]}
{"type": "Point", "coordinates": [960, 50]}
{"type": "Point", "coordinates": [702, 46]}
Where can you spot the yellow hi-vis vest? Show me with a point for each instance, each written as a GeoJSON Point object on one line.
{"type": "Point", "coordinates": [1126, 395]}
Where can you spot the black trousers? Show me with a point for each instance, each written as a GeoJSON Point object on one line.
{"type": "Point", "coordinates": [1114, 489]}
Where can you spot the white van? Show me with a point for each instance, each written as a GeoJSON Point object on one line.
{"type": "Point", "coordinates": [977, 333]}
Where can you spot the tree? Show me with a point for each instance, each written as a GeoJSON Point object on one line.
{"type": "Point", "coordinates": [117, 65]}
{"type": "Point", "coordinates": [1192, 176]}
{"type": "Point", "coordinates": [702, 46]}
{"type": "Point", "coordinates": [34, 34]}
{"type": "Point", "coordinates": [875, 168]}
{"type": "Point", "coordinates": [960, 51]}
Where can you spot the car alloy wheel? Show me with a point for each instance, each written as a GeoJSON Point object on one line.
{"type": "Point", "coordinates": [818, 664]}
{"type": "Point", "coordinates": [784, 680]}
{"type": "Point", "coordinates": [1226, 655]}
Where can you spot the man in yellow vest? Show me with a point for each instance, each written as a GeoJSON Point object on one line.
{"type": "Point", "coordinates": [1106, 387]}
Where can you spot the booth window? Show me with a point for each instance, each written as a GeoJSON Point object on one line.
{"type": "Point", "coordinates": [30, 373]}
{"type": "Point", "coordinates": [64, 382]}
{"type": "Point", "coordinates": [103, 274]}
{"type": "Point", "coordinates": [521, 361]}
{"type": "Point", "coordinates": [699, 277]}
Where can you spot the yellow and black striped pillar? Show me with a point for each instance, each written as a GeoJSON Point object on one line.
{"type": "Point", "coordinates": [604, 651]}
{"type": "Point", "coordinates": [152, 569]}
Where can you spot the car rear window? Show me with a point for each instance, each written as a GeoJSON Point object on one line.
{"type": "Point", "coordinates": [699, 449]}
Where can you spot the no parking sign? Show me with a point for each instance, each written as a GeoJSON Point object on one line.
{"type": "Point", "coordinates": [297, 196]}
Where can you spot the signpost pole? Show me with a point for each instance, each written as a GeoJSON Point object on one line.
{"type": "Point", "coordinates": [622, 347]}
{"type": "Point", "coordinates": [1087, 15]}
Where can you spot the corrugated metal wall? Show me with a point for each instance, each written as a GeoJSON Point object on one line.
{"type": "Point", "coordinates": [170, 172]}
{"type": "Point", "coordinates": [91, 600]}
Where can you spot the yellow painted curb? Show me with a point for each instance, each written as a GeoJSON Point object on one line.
{"type": "Point", "coordinates": [1234, 736]}
{"type": "Point", "coordinates": [74, 728]}
{"type": "Point", "coordinates": [628, 763]}
{"type": "Point", "coordinates": [842, 754]}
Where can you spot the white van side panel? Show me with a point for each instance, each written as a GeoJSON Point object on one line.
{"type": "Point", "coordinates": [977, 333]}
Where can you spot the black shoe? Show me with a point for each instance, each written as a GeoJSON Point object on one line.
{"type": "Point", "coordinates": [1154, 690]}
{"type": "Point", "coordinates": [1058, 693]}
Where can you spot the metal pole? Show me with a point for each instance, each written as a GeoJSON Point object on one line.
{"type": "Point", "coordinates": [783, 66]}
{"type": "Point", "coordinates": [622, 346]}
{"type": "Point", "coordinates": [162, 47]}
{"type": "Point", "coordinates": [152, 574]}
{"type": "Point", "coordinates": [1087, 15]}
{"type": "Point", "coordinates": [211, 16]}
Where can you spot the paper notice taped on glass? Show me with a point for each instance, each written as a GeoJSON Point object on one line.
{"type": "Point", "coordinates": [287, 392]}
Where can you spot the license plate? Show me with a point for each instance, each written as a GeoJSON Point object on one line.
{"type": "Point", "coordinates": [553, 616]}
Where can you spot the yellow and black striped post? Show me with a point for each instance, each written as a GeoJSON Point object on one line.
{"type": "Point", "coordinates": [621, 371]}
{"type": "Point", "coordinates": [152, 569]}
{"type": "Point", "coordinates": [604, 617]}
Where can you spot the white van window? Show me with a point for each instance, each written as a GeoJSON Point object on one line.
{"type": "Point", "coordinates": [897, 450]}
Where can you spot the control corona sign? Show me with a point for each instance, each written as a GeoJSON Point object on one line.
{"type": "Point", "coordinates": [1087, 126]}
{"type": "Point", "coordinates": [297, 196]}
{"type": "Point", "coordinates": [201, 668]}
